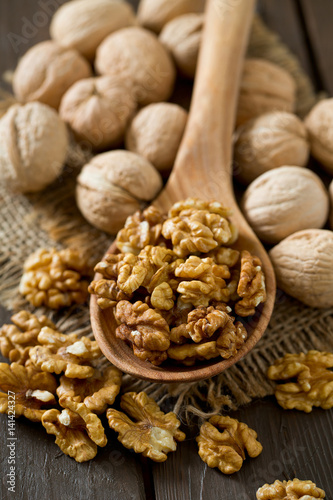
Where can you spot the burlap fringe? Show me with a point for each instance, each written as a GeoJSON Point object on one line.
{"type": "Point", "coordinates": [51, 218]}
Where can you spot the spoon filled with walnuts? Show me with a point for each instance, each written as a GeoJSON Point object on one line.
{"type": "Point", "coordinates": [187, 289]}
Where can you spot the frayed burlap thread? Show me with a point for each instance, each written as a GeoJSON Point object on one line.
{"type": "Point", "coordinates": [51, 219]}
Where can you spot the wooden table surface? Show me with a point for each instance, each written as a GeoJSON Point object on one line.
{"type": "Point", "coordinates": [295, 444]}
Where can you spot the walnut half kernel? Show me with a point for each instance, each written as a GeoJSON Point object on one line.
{"type": "Point", "coordinates": [151, 432]}
{"type": "Point", "coordinates": [290, 490]}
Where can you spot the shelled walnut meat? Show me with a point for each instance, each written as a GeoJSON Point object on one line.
{"type": "Point", "coordinates": [303, 266]}
{"type": "Point", "coordinates": [264, 87]}
{"type": "Point", "coordinates": [272, 140]}
{"type": "Point", "coordinates": [97, 110]}
{"type": "Point", "coordinates": [46, 71]}
{"type": "Point", "coordinates": [285, 200]}
{"type": "Point", "coordinates": [83, 24]}
{"type": "Point", "coordinates": [137, 56]}
{"type": "Point", "coordinates": [156, 132]}
{"type": "Point", "coordinates": [290, 490]}
{"type": "Point", "coordinates": [33, 147]}
{"type": "Point", "coordinates": [113, 185]}
{"type": "Point", "coordinates": [154, 14]}
{"type": "Point", "coordinates": [177, 282]}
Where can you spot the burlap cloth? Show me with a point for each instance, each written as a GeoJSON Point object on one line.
{"type": "Point", "coordinates": [51, 219]}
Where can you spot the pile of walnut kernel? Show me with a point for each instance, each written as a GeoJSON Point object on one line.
{"type": "Point", "coordinates": [176, 282]}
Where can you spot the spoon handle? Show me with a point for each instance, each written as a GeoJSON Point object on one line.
{"type": "Point", "coordinates": [203, 164]}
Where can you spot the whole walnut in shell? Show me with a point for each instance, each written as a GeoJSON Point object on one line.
{"type": "Point", "coordinates": [33, 147]}
{"type": "Point", "coordinates": [83, 24]}
{"type": "Point", "coordinates": [269, 141]}
{"type": "Point", "coordinates": [155, 133]}
{"type": "Point", "coordinates": [285, 200]}
{"type": "Point", "coordinates": [182, 37]}
{"type": "Point", "coordinates": [113, 186]}
{"type": "Point", "coordinates": [46, 71]}
{"type": "Point", "coordinates": [319, 123]}
{"type": "Point", "coordinates": [303, 265]}
{"type": "Point", "coordinates": [331, 200]}
{"type": "Point", "coordinates": [97, 110]}
{"type": "Point", "coordinates": [265, 87]}
{"type": "Point", "coordinates": [154, 14]}
{"type": "Point", "coordinates": [136, 55]}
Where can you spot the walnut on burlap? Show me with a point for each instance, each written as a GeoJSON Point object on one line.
{"type": "Point", "coordinates": [51, 219]}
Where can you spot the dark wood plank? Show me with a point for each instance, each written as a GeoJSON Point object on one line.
{"type": "Point", "coordinates": [295, 445]}
{"type": "Point", "coordinates": [283, 17]}
{"type": "Point", "coordinates": [318, 17]}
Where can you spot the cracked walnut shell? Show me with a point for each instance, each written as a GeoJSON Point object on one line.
{"type": "Point", "coordinates": [300, 196]}
{"type": "Point", "coordinates": [319, 124]}
{"type": "Point", "coordinates": [17, 339]}
{"type": "Point", "coordinates": [265, 87]}
{"type": "Point", "coordinates": [114, 185]}
{"type": "Point", "coordinates": [309, 380]}
{"type": "Point", "coordinates": [64, 353]}
{"type": "Point", "coordinates": [290, 490]}
{"type": "Point", "coordinates": [78, 431]}
{"type": "Point", "coordinates": [55, 278]}
{"type": "Point", "coordinates": [136, 55]}
{"type": "Point", "coordinates": [269, 141]}
{"type": "Point", "coordinates": [303, 266]}
{"type": "Point", "coordinates": [46, 71]}
{"type": "Point", "coordinates": [95, 392]}
{"type": "Point", "coordinates": [151, 432]}
{"type": "Point", "coordinates": [226, 450]}
{"type": "Point", "coordinates": [83, 25]}
{"type": "Point", "coordinates": [25, 391]}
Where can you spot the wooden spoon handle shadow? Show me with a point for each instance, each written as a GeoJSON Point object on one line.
{"type": "Point", "coordinates": [203, 163]}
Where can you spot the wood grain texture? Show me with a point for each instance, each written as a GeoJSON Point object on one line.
{"type": "Point", "coordinates": [295, 444]}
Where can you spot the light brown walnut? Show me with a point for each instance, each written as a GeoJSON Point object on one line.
{"type": "Point", "coordinates": [141, 229]}
{"type": "Point", "coordinates": [78, 431]}
{"type": "Point", "coordinates": [108, 293]}
{"type": "Point", "coordinates": [17, 339]}
{"type": "Point", "coordinates": [192, 228]}
{"type": "Point", "coordinates": [26, 391]}
{"type": "Point", "coordinates": [226, 450]}
{"type": "Point", "coordinates": [142, 326]}
{"type": "Point", "coordinates": [162, 297]}
{"type": "Point", "coordinates": [151, 432]}
{"type": "Point", "coordinates": [319, 124]}
{"type": "Point", "coordinates": [65, 353]}
{"type": "Point", "coordinates": [309, 380]}
{"type": "Point", "coordinates": [55, 278]}
{"type": "Point", "coordinates": [290, 490]}
{"type": "Point", "coordinates": [154, 14]}
{"type": "Point", "coordinates": [188, 354]}
{"type": "Point", "coordinates": [95, 392]}
{"type": "Point", "coordinates": [251, 287]}
{"type": "Point", "coordinates": [225, 256]}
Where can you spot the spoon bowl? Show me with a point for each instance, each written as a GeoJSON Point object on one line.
{"type": "Point", "coordinates": [203, 169]}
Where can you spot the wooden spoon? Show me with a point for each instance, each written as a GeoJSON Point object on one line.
{"type": "Point", "coordinates": [203, 169]}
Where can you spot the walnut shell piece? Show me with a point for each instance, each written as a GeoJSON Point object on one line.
{"type": "Point", "coordinates": [269, 141]}
{"type": "Point", "coordinates": [70, 354]}
{"type": "Point", "coordinates": [97, 110]}
{"type": "Point", "coordinates": [319, 124]}
{"type": "Point", "coordinates": [114, 185]}
{"type": "Point", "coordinates": [137, 56]}
{"type": "Point", "coordinates": [182, 37]}
{"type": "Point", "coordinates": [303, 266]}
{"type": "Point", "coordinates": [290, 490]}
{"type": "Point", "coordinates": [83, 25]}
{"type": "Point", "coordinates": [25, 391]}
{"type": "Point", "coordinates": [16, 339]}
{"type": "Point", "coordinates": [78, 431]}
{"type": "Point", "coordinates": [33, 147]}
{"type": "Point", "coordinates": [151, 432]}
{"type": "Point", "coordinates": [55, 278]}
{"type": "Point", "coordinates": [283, 201]}
{"type": "Point", "coordinates": [264, 87]}
{"type": "Point", "coordinates": [156, 132]}
{"type": "Point", "coordinates": [226, 450]}
{"type": "Point", "coordinates": [46, 71]}
{"type": "Point", "coordinates": [95, 392]}
{"type": "Point", "coordinates": [154, 14]}
{"type": "Point", "coordinates": [309, 382]}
